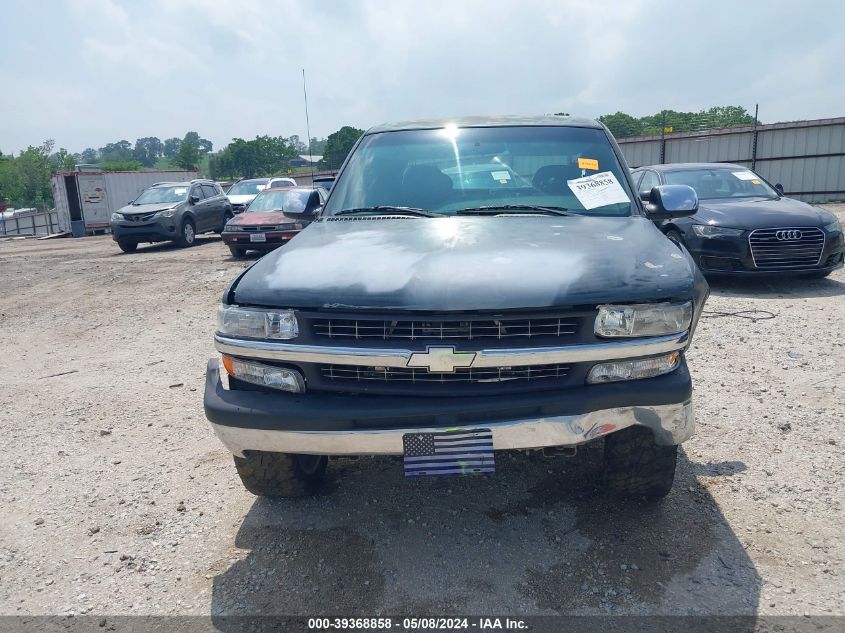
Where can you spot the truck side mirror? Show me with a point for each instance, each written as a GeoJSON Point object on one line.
{"type": "Point", "coordinates": [779, 188]}
{"type": "Point", "coordinates": [671, 201]}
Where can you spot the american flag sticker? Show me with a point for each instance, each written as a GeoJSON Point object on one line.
{"type": "Point", "coordinates": [462, 452]}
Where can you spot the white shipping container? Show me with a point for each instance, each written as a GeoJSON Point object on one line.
{"type": "Point", "coordinates": [92, 196]}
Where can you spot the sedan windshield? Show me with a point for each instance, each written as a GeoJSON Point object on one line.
{"type": "Point", "coordinates": [722, 182]}
{"type": "Point", "coordinates": [248, 187]}
{"type": "Point", "coordinates": [279, 200]}
{"type": "Point", "coordinates": [515, 169]}
{"type": "Point", "coordinates": [161, 195]}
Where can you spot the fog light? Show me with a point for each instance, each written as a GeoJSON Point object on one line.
{"type": "Point", "coordinates": [634, 369]}
{"type": "Point", "coordinates": [264, 375]}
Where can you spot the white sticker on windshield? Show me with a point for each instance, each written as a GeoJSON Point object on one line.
{"type": "Point", "coordinates": [745, 175]}
{"type": "Point", "coordinates": [598, 190]}
{"type": "Point", "coordinates": [500, 175]}
{"type": "Point", "coordinates": [180, 192]}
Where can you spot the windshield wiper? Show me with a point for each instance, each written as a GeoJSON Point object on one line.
{"type": "Point", "coordinates": [497, 209]}
{"type": "Point", "coordinates": [423, 213]}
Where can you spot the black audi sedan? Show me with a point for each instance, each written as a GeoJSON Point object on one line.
{"type": "Point", "coordinates": [745, 226]}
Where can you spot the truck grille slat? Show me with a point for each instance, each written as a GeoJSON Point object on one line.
{"type": "Point", "coordinates": [781, 248]}
{"type": "Point", "coordinates": [499, 329]}
{"type": "Point", "coordinates": [357, 373]}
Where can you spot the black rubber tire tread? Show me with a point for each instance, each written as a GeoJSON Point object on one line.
{"type": "Point", "coordinates": [675, 236]}
{"type": "Point", "coordinates": [180, 240]}
{"type": "Point", "coordinates": [127, 247]}
{"type": "Point", "coordinates": [237, 252]}
{"type": "Point", "coordinates": [228, 215]}
{"type": "Point", "coordinates": [634, 466]}
{"type": "Point", "coordinates": [278, 474]}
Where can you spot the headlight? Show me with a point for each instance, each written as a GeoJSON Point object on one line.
{"type": "Point", "coordinates": [264, 375]}
{"type": "Point", "coordinates": [833, 227]}
{"type": "Point", "coordinates": [166, 213]}
{"type": "Point", "coordinates": [116, 217]}
{"type": "Point", "coordinates": [648, 319]}
{"type": "Point", "coordinates": [634, 369]}
{"type": "Point", "coordinates": [708, 230]}
{"type": "Point", "coordinates": [254, 323]}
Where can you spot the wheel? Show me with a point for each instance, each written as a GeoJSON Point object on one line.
{"type": "Point", "coordinates": [281, 474]}
{"type": "Point", "coordinates": [237, 252]}
{"type": "Point", "coordinates": [226, 217]}
{"type": "Point", "coordinates": [126, 246]}
{"type": "Point", "coordinates": [634, 466]}
{"type": "Point", "coordinates": [673, 235]}
{"type": "Point", "coordinates": [187, 233]}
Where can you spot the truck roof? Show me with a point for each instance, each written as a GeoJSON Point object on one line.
{"type": "Point", "coordinates": [486, 121]}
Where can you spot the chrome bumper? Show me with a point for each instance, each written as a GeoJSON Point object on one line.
{"type": "Point", "coordinates": [590, 352]}
{"type": "Point", "coordinates": [671, 424]}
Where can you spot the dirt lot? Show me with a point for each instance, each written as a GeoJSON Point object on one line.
{"type": "Point", "coordinates": [118, 499]}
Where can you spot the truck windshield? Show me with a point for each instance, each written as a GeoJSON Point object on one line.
{"type": "Point", "coordinates": [452, 169]}
{"type": "Point", "coordinates": [159, 195]}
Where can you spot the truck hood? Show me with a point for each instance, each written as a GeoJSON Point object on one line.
{"type": "Point", "coordinates": [469, 263]}
{"type": "Point", "coordinates": [262, 218]}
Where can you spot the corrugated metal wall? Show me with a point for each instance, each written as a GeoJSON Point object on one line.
{"type": "Point", "coordinates": [806, 157]}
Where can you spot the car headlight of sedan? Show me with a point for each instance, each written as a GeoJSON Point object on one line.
{"type": "Point", "coordinates": [708, 230]}
{"type": "Point", "coordinates": [166, 213]}
{"type": "Point", "coordinates": [833, 227]}
{"type": "Point", "coordinates": [116, 217]}
{"type": "Point", "coordinates": [648, 319]}
{"type": "Point", "coordinates": [255, 323]}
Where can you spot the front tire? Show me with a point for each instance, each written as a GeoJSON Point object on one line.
{"type": "Point", "coordinates": [281, 474]}
{"type": "Point", "coordinates": [634, 466]}
{"type": "Point", "coordinates": [187, 233]}
{"type": "Point", "coordinates": [127, 246]}
{"type": "Point", "coordinates": [237, 253]}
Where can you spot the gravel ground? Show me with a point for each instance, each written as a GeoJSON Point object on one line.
{"type": "Point", "coordinates": [118, 499]}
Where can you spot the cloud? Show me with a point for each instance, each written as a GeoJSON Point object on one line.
{"type": "Point", "coordinates": [103, 70]}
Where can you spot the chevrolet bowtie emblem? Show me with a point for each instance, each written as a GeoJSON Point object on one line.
{"type": "Point", "coordinates": [441, 359]}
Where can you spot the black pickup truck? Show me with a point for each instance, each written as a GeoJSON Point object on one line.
{"type": "Point", "coordinates": [470, 286]}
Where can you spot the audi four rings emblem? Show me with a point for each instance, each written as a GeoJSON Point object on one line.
{"type": "Point", "coordinates": [784, 236]}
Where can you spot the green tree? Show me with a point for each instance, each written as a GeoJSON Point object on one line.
{"type": "Point", "coordinates": [121, 165]}
{"type": "Point", "coordinates": [148, 150]}
{"type": "Point", "coordinates": [621, 124]}
{"type": "Point", "coordinates": [262, 156]}
{"type": "Point", "coordinates": [89, 156]}
{"type": "Point", "coordinates": [63, 161]}
{"type": "Point", "coordinates": [338, 145]}
{"type": "Point", "coordinates": [171, 147]}
{"type": "Point", "coordinates": [120, 151]}
{"type": "Point", "coordinates": [32, 171]}
{"type": "Point", "coordinates": [318, 146]}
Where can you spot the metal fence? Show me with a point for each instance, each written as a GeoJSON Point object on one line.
{"type": "Point", "coordinates": [41, 223]}
{"type": "Point", "coordinates": [806, 157]}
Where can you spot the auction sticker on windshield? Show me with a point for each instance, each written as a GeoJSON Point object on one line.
{"type": "Point", "coordinates": [598, 190]}
{"type": "Point", "coordinates": [745, 175]}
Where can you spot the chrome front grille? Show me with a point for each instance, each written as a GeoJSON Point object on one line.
{"type": "Point", "coordinates": [469, 375]}
{"type": "Point", "coordinates": [785, 248]}
{"type": "Point", "coordinates": [450, 329]}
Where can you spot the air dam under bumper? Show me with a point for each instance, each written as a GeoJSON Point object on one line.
{"type": "Point", "coordinates": [330, 424]}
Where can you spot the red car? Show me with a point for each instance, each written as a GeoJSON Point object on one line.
{"type": "Point", "coordinates": [273, 218]}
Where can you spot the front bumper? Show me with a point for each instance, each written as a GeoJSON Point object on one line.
{"type": "Point", "coordinates": [732, 256]}
{"type": "Point", "coordinates": [337, 424]}
{"type": "Point", "coordinates": [158, 230]}
{"type": "Point", "coordinates": [274, 239]}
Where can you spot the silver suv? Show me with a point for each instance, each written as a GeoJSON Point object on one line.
{"type": "Point", "coordinates": [171, 211]}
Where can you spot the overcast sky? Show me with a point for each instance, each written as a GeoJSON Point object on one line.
{"type": "Point", "coordinates": [88, 72]}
